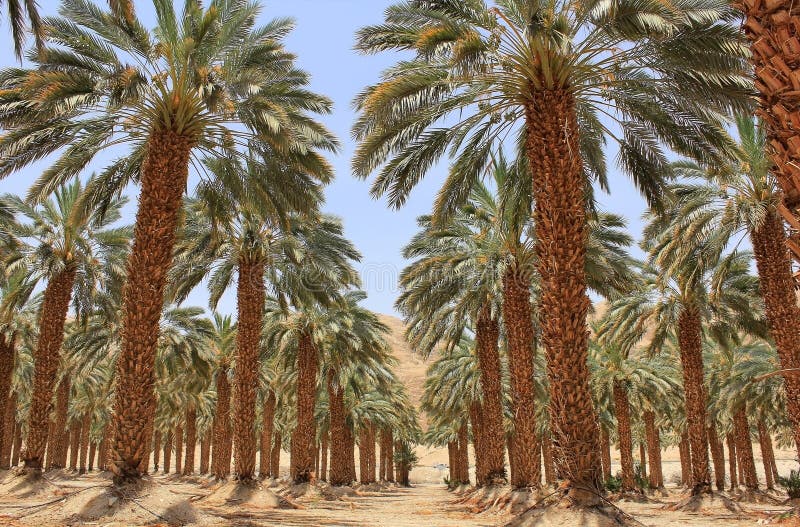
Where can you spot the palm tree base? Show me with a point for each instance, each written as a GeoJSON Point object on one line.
{"type": "Point", "coordinates": [565, 513]}
{"type": "Point", "coordinates": [754, 496]}
{"type": "Point", "coordinates": [707, 501]}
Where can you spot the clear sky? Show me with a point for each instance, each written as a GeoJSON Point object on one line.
{"type": "Point", "coordinates": [323, 41]}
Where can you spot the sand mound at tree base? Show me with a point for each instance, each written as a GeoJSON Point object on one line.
{"type": "Point", "coordinates": [317, 491]}
{"type": "Point", "coordinates": [707, 503]}
{"type": "Point", "coordinates": [502, 499]}
{"type": "Point", "coordinates": [250, 495]}
{"type": "Point", "coordinates": [562, 516]}
{"type": "Point", "coordinates": [755, 496]}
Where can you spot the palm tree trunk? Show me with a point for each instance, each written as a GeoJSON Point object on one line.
{"type": "Point", "coordinates": [250, 308]}
{"type": "Point", "coordinates": [487, 333]}
{"type": "Point", "coordinates": [350, 446]}
{"type": "Point", "coordinates": [156, 451]}
{"type": "Point", "coordinates": [452, 454]}
{"type": "Point", "coordinates": [163, 181]}
{"type": "Point", "coordinates": [463, 454]}
{"type": "Point", "coordinates": [777, 287]}
{"type": "Point", "coordinates": [102, 456]}
{"type": "Point", "coordinates": [86, 425]}
{"type": "Point", "coordinates": [387, 452]}
{"type": "Point", "coordinates": [605, 453]}
{"type": "Point", "coordinates": [547, 459]}
{"type": "Point", "coordinates": [518, 319]}
{"type": "Point", "coordinates": [686, 460]}
{"type": "Point", "coordinates": [60, 436]}
{"type": "Point", "coordinates": [15, 453]}
{"type": "Point", "coordinates": [178, 439]}
{"type": "Point", "coordinates": [9, 423]}
{"type": "Point", "coordinates": [167, 452]}
{"type": "Point", "coordinates": [191, 440]}
{"type": "Point", "coordinates": [653, 449]}
{"type": "Point", "coordinates": [7, 352]}
{"type": "Point", "coordinates": [267, 426]}
{"type": "Point", "coordinates": [476, 416]}
{"type": "Point", "coordinates": [74, 443]}
{"type": "Point", "coordinates": [766, 448]}
{"type": "Point", "coordinates": [304, 435]}
{"type": "Point", "coordinates": [732, 458]}
{"type": "Point", "coordinates": [338, 474]}
{"type": "Point", "coordinates": [643, 459]}
{"type": "Point", "coordinates": [323, 462]}
{"type": "Point", "coordinates": [92, 454]}
{"type": "Point", "coordinates": [366, 454]}
{"type": "Point", "coordinates": [222, 426]}
{"type": "Point", "coordinates": [744, 447]}
{"type": "Point", "coordinates": [691, 348]}
{"type": "Point", "coordinates": [205, 451]}
{"type": "Point", "coordinates": [772, 28]}
{"type": "Point", "coordinates": [623, 414]}
{"type": "Point", "coordinates": [275, 457]}
{"type": "Point", "coordinates": [55, 307]}
{"type": "Point", "coordinates": [559, 192]}
{"type": "Point", "coordinates": [718, 457]}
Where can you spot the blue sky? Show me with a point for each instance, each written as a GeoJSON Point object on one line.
{"type": "Point", "coordinates": [323, 41]}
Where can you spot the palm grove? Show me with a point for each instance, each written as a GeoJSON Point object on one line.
{"type": "Point", "coordinates": [519, 100]}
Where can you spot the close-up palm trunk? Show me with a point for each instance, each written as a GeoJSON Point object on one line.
{"type": "Point", "coordinates": [766, 453]}
{"type": "Point", "coordinates": [7, 350]}
{"type": "Point", "coordinates": [732, 460]}
{"type": "Point", "coordinates": [487, 333]}
{"type": "Point", "coordinates": [163, 182]}
{"type": "Point", "coordinates": [178, 446]}
{"type": "Point", "coordinates": [205, 451]}
{"type": "Point", "coordinates": [275, 457]}
{"type": "Point", "coordinates": [304, 435]}
{"type": "Point", "coordinates": [221, 452]}
{"type": "Point", "coordinates": [476, 418]}
{"type": "Point", "coordinates": [47, 356]}
{"type": "Point", "coordinates": [74, 443]}
{"type": "Point", "coordinates": [338, 470]}
{"type": "Point", "coordinates": [463, 454]}
{"type": "Point", "coordinates": [518, 321]}
{"type": "Point", "coordinates": [9, 423]}
{"type": "Point", "coordinates": [717, 457]}
{"type": "Point", "coordinates": [191, 440]}
{"type": "Point", "coordinates": [653, 449]}
{"type": "Point", "coordinates": [559, 193]}
{"type": "Point", "coordinates": [86, 424]}
{"type": "Point", "coordinates": [605, 453]}
{"type": "Point", "coordinates": [685, 453]}
{"type": "Point", "coordinates": [250, 308]}
{"type": "Point", "coordinates": [691, 349]}
{"type": "Point", "coordinates": [744, 449]}
{"type": "Point", "coordinates": [156, 451]}
{"type": "Point", "coordinates": [267, 426]}
{"type": "Point", "coordinates": [167, 452]}
{"type": "Point", "coordinates": [623, 414]}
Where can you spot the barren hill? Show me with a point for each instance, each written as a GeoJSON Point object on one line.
{"type": "Point", "coordinates": [410, 368]}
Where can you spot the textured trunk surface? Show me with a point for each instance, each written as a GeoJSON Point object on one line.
{"type": "Point", "coordinates": [7, 346]}
{"type": "Point", "coordinates": [366, 453]}
{"type": "Point", "coordinates": [478, 443]}
{"type": "Point", "coordinates": [167, 452]}
{"type": "Point", "coordinates": [275, 457]}
{"type": "Point", "coordinates": [744, 449]}
{"type": "Point", "coordinates": [605, 453]}
{"type": "Point", "coordinates": [780, 303]}
{"type": "Point", "coordinates": [323, 458]}
{"type": "Point", "coordinates": [74, 443]}
{"type": "Point", "coordinates": [178, 445]}
{"type": "Point", "coordinates": [487, 334]}
{"type": "Point", "coordinates": [250, 308]}
{"type": "Point", "coordinates": [766, 454]}
{"type": "Point", "coordinates": [463, 454]}
{"type": "Point", "coordinates": [205, 451]}
{"type": "Point", "coordinates": [350, 444]}
{"type": "Point", "coordinates": [773, 28]}
{"type": "Point", "coordinates": [60, 436]}
{"type": "Point", "coordinates": [452, 455]}
{"type": "Point", "coordinates": [9, 423]}
{"type": "Point", "coordinates": [267, 426]}
{"type": "Point", "coordinates": [191, 440]}
{"type": "Point", "coordinates": [643, 459]}
{"type": "Point", "coordinates": [156, 451]}
{"type": "Point", "coordinates": [163, 182]}
{"type": "Point", "coordinates": [732, 460]}
{"type": "Point", "coordinates": [92, 452]}
{"type": "Point", "coordinates": [387, 455]}
{"type": "Point", "coordinates": [653, 449]}
{"type": "Point", "coordinates": [686, 460]}
{"type": "Point", "coordinates": [559, 192]}
{"type": "Point", "coordinates": [691, 348]}
{"type": "Point", "coordinates": [304, 435]}
{"type": "Point", "coordinates": [339, 470]}
{"type": "Point", "coordinates": [547, 460]}
{"type": "Point", "coordinates": [623, 414]}
{"type": "Point", "coordinates": [47, 356]}
{"type": "Point", "coordinates": [718, 457]}
{"type": "Point", "coordinates": [86, 424]}
{"type": "Point", "coordinates": [15, 453]}
{"type": "Point", "coordinates": [102, 456]}
{"type": "Point", "coordinates": [222, 426]}
{"type": "Point", "coordinates": [518, 320]}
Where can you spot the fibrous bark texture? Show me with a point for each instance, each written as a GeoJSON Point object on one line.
{"type": "Point", "coordinates": [222, 426]}
{"type": "Point", "coordinates": [623, 414]}
{"type": "Point", "coordinates": [487, 334]}
{"type": "Point", "coordinates": [304, 435]}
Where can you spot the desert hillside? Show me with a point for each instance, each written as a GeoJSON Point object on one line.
{"type": "Point", "coordinates": [411, 367]}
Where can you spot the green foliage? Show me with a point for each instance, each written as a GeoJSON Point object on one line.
{"type": "Point", "coordinates": [613, 483]}
{"type": "Point", "coordinates": [791, 483]}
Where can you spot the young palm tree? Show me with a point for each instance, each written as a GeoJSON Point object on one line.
{"type": "Point", "coordinates": [548, 70]}
{"type": "Point", "coordinates": [203, 80]}
{"type": "Point", "coordinates": [64, 245]}
{"type": "Point", "coordinates": [743, 196]}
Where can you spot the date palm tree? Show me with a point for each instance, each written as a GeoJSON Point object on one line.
{"type": "Point", "coordinates": [478, 71]}
{"type": "Point", "coordinates": [22, 13]}
{"type": "Point", "coordinates": [204, 80]}
{"type": "Point", "coordinates": [65, 246]}
{"type": "Point", "coordinates": [743, 196]}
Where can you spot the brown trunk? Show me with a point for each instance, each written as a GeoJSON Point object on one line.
{"type": "Point", "coordinates": [547, 459]}
{"type": "Point", "coordinates": [167, 452]}
{"type": "Point", "coordinates": [766, 451]}
{"type": "Point", "coordinates": [686, 460]}
{"type": "Point", "coordinates": [559, 192]}
{"type": "Point", "coordinates": [178, 445]}
{"type": "Point", "coordinates": [366, 449]}
{"type": "Point", "coordinates": [463, 454]}
{"type": "Point", "coordinates": [780, 303]}
{"type": "Point", "coordinates": [267, 426]}
{"type": "Point", "coordinates": [156, 451]}
{"type": "Point", "coordinates": [339, 473]}
{"type": "Point", "coordinates": [15, 453]}
{"type": "Point", "coordinates": [102, 456]}
{"type": "Point", "coordinates": [452, 455]}
{"type": "Point", "coordinates": [643, 460]}
{"type": "Point", "coordinates": [691, 347]}
{"type": "Point", "coordinates": [520, 342]}
{"type": "Point", "coordinates": [92, 452]}
{"type": "Point", "coordinates": [718, 457]}
{"type": "Point", "coordinates": [387, 453]}
{"type": "Point", "coordinates": [74, 443]}
{"type": "Point", "coordinates": [623, 413]}
{"type": "Point", "coordinates": [487, 334]}
{"type": "Point", "coordinates": [323, 462]}
{"type": "Point", "coordinates": [7, 348]}
{"type": "Point", "coordinates": [476, 416]}
{"type": "Point", "coordinates": [205, 451]}
{"type": "Point", "coordinates": [163, 181]}
{"type": "Point", "coordinates": [275, 457]}
{"type": "Point", "coordinates": [46, 360]}
{"type": "Point", "coordinates": [744, 447]}
{"type": "Point", "coordinates": [732, 458]}
{"type": "Point", "coordinates": [350, 445]}
{"type": "Point", "coordinates": [222, 426]}
{"type": "Point", "coordinates": [605, 453]}
{"type": "Point", "coordinates": [86, 425]}
{"type": "Point", "coordinates": [60, 435]}
{"type": "Point", "coordinates": [191, 440]}
{"type": "Point", "coordinates": [653, 449]}
{"type": "Point", "coordinates": [304, 435]}
{"type": "Point", "coordinates": [250, 309]}
{"type": "Point", "coordinates": [9, 423]}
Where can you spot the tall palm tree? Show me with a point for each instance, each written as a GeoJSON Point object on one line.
{"type": "Point", "coordinates": [202, 80]}
{"type": "Point", "coordinates": [743, 196]}
{"type": "Point", "coordinates": [223, 342]}
{"type": "Point", "coordinates": [64, 245]}
{"type": "Point", "coordinates": [545, 70]}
